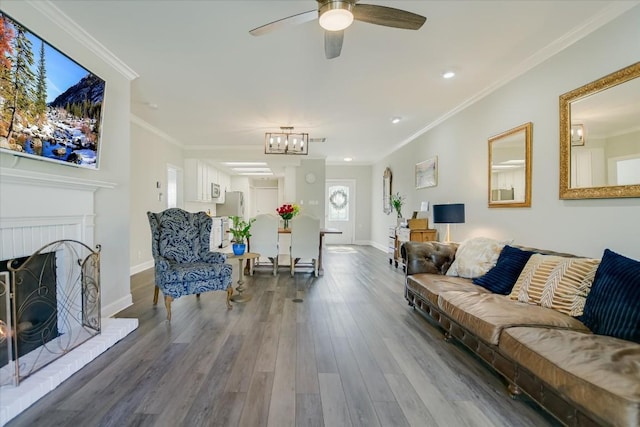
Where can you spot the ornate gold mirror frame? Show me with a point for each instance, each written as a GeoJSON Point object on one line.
{"type": "Point", "coordinates": [510, 168]}
{"type": "Point", "coordinates": [619, 106]}
{"type": "Point", "coordinates": [386, 191]}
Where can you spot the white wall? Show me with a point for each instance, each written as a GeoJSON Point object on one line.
{"type": "Point", "coordinates": [111, 205]}
{"type": "Point", "coordinates": [311, 196]}
{"type": "Point", "coordinates": [584, 227]}
{"type": "Point", "coordinates": [150, 155]}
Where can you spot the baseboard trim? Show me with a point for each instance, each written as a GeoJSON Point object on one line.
{"type": "Point", "coordinates": [135, 269]}
{"type": "Point", "coordinates": [117, 306]}
{"type": "Point", "coordinates": [378, 246]}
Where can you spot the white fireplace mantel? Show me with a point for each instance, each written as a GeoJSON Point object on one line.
{"type": "Point", "coordinates": [27, 177]}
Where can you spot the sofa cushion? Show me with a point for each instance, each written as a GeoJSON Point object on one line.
{"type": "Point", "coordinates": [486, 315]}
{"type": "Point", "coordinates": [501, 278]}
{"type": "Point", "coordinates": [598, 373]}
{"type": "Point", "coordinates": [613, 306]}
{"type": "Point", "coordinates": [429, 286]}
{"type": "Point", "coordinates": [556, 282]}
{"type": "Point", "coordinates": [475, 257]}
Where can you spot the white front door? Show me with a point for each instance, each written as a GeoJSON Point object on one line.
{"type": "Point", "coordinates": [265, 201]}
{"type": "Point", "coordinates": [340, 210]}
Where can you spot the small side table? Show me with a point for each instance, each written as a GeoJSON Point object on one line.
{"type": "Point", "coordinates": [250, 256]}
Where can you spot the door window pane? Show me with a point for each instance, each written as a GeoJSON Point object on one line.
{"type": "Point", "coordinates": [172, 188]}
{"type": "Point", "coordinates": [338, 203]}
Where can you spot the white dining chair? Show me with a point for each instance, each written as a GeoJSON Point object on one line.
{"type": "Point", "coordinates": [305, 242]}
{"type": "Point", "coordinates": [264, 239]}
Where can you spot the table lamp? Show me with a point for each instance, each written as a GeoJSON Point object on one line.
{"type": "Point", "coordinates": [448, 214]}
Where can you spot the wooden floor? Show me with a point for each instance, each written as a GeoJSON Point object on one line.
{"type": "Point", "coordinates": [351, 353]}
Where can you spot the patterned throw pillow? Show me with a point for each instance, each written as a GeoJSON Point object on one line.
{"type": "Point", "coordinates": [501, 278]}
{"type": "Point", "coordinates": [613, 305]}
{"type": "Point", "coordinates": [475, 257]}
{"type": "Point", "coordinates": [556, 282]}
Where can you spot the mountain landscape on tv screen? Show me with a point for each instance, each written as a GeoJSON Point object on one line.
{"type": "Point", "coordinates": [50, 107]}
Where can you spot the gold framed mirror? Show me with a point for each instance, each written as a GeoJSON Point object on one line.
{"type": "Point", "coordinates": [510, 168]}
{"type": "Point", "coordinates": [600, 137]}
{"type": "Point", "coordinates": [386, 191]}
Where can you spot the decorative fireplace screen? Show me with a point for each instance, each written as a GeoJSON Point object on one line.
{"type": "Point", "coordinates": [49, 304]}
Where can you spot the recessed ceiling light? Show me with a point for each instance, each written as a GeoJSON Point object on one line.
{"type": "Point", "coordinates": [395, 120]}
{"type": "Point", "coordinates": [245, 163]}
{"type": "Point", "coordinates": [251, 169]}
{"type": "Point", "coordinates": [256, 173]}
{"type": "Point", "coordinates": [347, 159]}
{"type": "Point", "coordinates": [448, 74]}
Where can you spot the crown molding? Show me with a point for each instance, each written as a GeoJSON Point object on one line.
{"type": "Point", "coordinates": [607, 15]}
{"type": "Point", "coordinates": [224, 147]}
{"type": "Point", "coordinates": [145, 125]}
{"type": "Point", "coordinates": [68, 25]}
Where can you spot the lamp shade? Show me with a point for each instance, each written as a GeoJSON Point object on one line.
{"type": "Point", "coordinates": [448, 214]}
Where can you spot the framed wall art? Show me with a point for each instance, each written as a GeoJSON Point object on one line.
{"type": "Point", "coordinates": [427, 173]}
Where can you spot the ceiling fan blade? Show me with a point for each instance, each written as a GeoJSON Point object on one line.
{"type": "Point", "coordinates": [387, 16]}
{"type": "Point", "coordinates": [300, 18]}
{"type": "Point", "coordinates": [333, 43]}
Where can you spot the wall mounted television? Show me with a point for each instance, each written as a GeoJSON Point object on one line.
{"type": "Point", "coordinates": [50, 106]}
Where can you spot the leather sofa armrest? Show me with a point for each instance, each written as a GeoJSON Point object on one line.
{"type": "Point", "coordinates": [428, 257]}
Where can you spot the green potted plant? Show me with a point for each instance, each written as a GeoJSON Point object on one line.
{"type": "Point", "coordinates": [397, 201]}
{"type": "Point", "coordinates": [241, 231]}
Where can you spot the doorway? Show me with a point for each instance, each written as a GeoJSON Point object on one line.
{"type": "Point", "coordinates": [174, 183]}
{"type": "Point", "coordinates": [265, 201]}
{"type": "Point", "coordinates": [340, 210]}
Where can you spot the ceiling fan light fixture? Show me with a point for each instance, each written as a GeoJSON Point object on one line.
{"type": "Point", "coordinates": [336, 15]}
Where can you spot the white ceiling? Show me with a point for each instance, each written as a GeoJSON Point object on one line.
{"type": "Point", "coordinates": [218, 89]}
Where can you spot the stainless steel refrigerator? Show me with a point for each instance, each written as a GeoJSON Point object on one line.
{"type": "Point", "coordinates": [233, 204]}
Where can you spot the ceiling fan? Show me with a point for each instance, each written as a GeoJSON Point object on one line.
{"type": "Point", "coordinates": [335, 16]}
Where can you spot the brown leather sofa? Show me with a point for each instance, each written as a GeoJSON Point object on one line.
{"type": "Point", "coordinates": [581, 378]}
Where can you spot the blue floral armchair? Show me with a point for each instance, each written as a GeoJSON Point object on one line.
{"type": "Point", "coordinates": [184, 265]}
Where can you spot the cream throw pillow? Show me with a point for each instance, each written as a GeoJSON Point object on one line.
{"type": "Point", "coordinates": [556, 282]}
{"type": "Point", "coordinates": [475, 257]}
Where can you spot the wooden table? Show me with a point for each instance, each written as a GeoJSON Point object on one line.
{"type": "Point", "coordinates": [249, 256]}
{"type": "Point", "coordinates": [323, 231]}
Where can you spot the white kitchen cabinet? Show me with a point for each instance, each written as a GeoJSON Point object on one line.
{"type": "Point", "coordinates": [224, 180]}
{"type": "Point", "coordinates": [197, 181]}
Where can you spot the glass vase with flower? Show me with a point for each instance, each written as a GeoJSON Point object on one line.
{"type": "Point", "coordinates": [288, 211]}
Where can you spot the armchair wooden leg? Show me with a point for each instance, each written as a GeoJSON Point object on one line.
{"type": "Point", "coordinates": [292, 266]}
{"type": "Point", "coordinates": [197, 295]}
{"type": "Point", "coordinates": [229, 294]}
{"type": "Point", "coordinates": [155, 295]}
{"type": "Point", "coordinates": [167, 303]}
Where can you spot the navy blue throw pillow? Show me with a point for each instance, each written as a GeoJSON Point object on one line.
{"type": "Point", "coordinates": [501, 278]}
{"type": "Point", "coordinates": [613, 304]}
